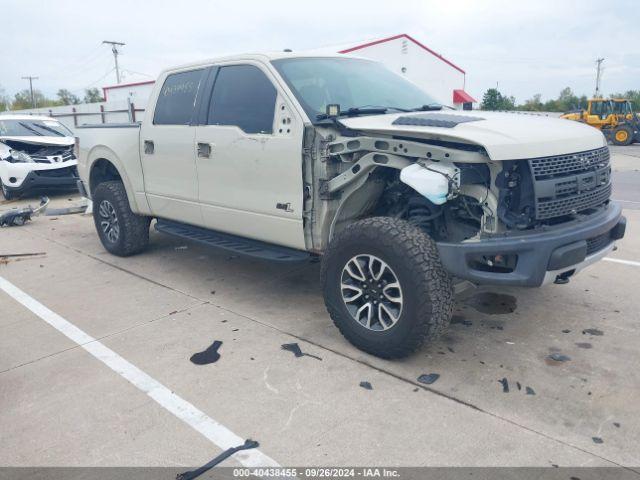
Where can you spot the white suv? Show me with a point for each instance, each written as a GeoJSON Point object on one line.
{"type": "Point", "coordinates": [36, 153]}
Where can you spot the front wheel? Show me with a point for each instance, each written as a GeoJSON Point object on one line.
{"type": "Point", "coordinates": [385, 288]}
{"type": "Point", "coordinates": [121, 231]}
{"type": "Point", "coordinates": [6, 193]}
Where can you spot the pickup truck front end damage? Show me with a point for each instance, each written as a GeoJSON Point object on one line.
{"type": "Point", "coordinates": [522, 222]}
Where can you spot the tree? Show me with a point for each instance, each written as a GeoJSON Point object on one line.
{"type": "Point", "coordinates": [67, 98]}
{"type": "Point", "coordinates": [92, 95]}
{"type": "Point", "coordinates": [494, 100]}
{"type": "Point", "coordinates": [22, 100]}
{"type": "Point", "coordinates": [534, 104]}
{"type": "Point", "coordinates": [5, 102]}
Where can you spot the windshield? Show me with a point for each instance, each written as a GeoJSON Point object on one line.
{"type": "Point", "coordinates": [349, 82]}
{"type": "Point", "coordinates": [30, 128]}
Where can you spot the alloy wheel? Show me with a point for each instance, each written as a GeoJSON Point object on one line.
{"type": "Point", "coordinates": [109, 221]}
{"type": "Point", "coordinates": [371, 292]}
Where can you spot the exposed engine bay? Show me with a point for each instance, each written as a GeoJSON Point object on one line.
{"type": "Point", "coordinates": [453, 191]}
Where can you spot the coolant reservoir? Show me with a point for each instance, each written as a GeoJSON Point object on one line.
{"type": "Point", "coordinates": [431, 182]}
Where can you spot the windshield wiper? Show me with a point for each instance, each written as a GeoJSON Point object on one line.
{"type": "Point", "coordinates": [30, 129]}
{"type": "Point", "coordinates": [49, 129]}
{"type": "Point", "coordinates": [368, 110]}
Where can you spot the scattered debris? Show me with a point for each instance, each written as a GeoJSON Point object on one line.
{"type": "Point", "coordinates": [459, 319]}
{"type": "Point", "coordinates": [248, 444]}
{"type": "Point", "coordinates": [505, 385]}
{"type": "Point", "coordinates": [428, 378]}
{"type": "Point", "coordinates": [210, 355]}
{"type": "Point", "coordinates": [66, 211]}
{"type": "Point", "coordinates": [295, 349]}
{"type": "Point", "coordinates": [213, 292]}
{"type": "Point", "coordinates": [518, 385]}
{"type": "Point", "coordinates": [529, 391]}
{"type": "Point", "coordinates": [616, 424]}
{"type": "Point", "coordinates": [416, 389]}
{"type": "Point", "coordinates": [593, 331]}
{"type": "Point", "coordinates": [451, 350]}
{"type": "Point", "coordinates": [557, 358]}
{"type": "Point", "coordinates": [586, 345]}
{"type": "Point", "coordinates": [19, 216]}
{"type": "Point", "coordinates": [173, 313]}
{"type": "Point", "coordinates": [566, 330]}
{"type": "Point", "coordinates": [493, 303]}
{"type": "Point", "coordinates": [8, 257]}
{"type": "Point", "coordinates": [597, 440]}
{"type": "Point", "coordinates": [366, 385]}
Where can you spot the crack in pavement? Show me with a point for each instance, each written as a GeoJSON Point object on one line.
{"type": "Point", "coordinates": [342, 354]}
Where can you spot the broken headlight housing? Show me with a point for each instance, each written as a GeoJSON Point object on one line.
{"type": "Point", "coordinates": [20, 157]}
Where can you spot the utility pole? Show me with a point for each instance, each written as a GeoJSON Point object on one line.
{"type": "Point", "coordinates": [114, 49]}
{"type": "Point", "coordinates": [598, 76]}
{"type": "Point", "coordinates": [31, 79]}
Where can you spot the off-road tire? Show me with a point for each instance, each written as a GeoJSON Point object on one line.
{"type": "Point", "coordinates": [629, 138]}
{"type": "Point", "coordinates": [426, 287]}
{"type": "Point", "coordinates": [133, 236]}
{"type": "Point", "coordinates": [6, 193]}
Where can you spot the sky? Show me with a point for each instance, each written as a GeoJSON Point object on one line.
{"type": "Point", "coordinates": [523, 47]}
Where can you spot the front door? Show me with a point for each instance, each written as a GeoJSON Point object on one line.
{"type": "Point", "coordinates": [167, 149]}
{"type": "Point", "coordinates": [249, 158]}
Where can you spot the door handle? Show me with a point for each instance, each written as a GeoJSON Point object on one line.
{"type": "Point", "coordinates": [149, 147]}
{"type": "Point", "coordinates": [204, 150]}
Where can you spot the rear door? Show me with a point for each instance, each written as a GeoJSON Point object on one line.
{"type": "Point", "coordinates": [250, 157]}
{"type": "Point", "coordinates": [167, 148]}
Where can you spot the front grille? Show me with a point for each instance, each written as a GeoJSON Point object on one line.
{"type": "Point", "coordinates": [569, 184]}
{"type": "Point", "coordinates": [563, 165]}
{"type": "Point", "coordinates": [58, 172]}
{"type": "Point", "coordinates": [570, 205]}
{"type": "Point", "coordinates": [62, 157]}
{"type": "Point", "coordinates": [596, 244]}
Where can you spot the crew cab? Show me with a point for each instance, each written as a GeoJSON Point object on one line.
{"type": "Point", "coordinates": [290, 156]}
{"type": "Point", "coordinates": [36, 153]}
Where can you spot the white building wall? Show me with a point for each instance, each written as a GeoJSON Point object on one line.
{"type": "Point", "coordinates": [139, 94]}
{"type": "Point", "coordinates": [418, 65]}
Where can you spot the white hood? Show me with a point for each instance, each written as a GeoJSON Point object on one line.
{"type": "Point", "coordinates": [41, 140]}
{"type": "Point", "coordinates": [504, 135]}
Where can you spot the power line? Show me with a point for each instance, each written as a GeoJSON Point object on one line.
{"type": "Point", "coordinates": [31, 79]}
{"type": "Point", "coordinates": [114, 49]}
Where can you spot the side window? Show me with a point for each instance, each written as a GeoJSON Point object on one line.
{"type": "Point", "coordinates": [243, 96]}
{"type": "Point", "coordinates": [177, 98]}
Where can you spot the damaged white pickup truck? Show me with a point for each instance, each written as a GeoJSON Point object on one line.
{"type": "Point", "coordinates": [284, 156]}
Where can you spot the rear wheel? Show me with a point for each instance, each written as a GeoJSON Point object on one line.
{"type": "Point", "coordinates": [121, 231]}
{"type": "Point", "coordinates": [385, 288]}
{"type": "Point", "coordinates": [622, 135]}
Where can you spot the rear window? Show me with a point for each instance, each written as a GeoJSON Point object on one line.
{"type": "Point", "coordinates": [177, 99]}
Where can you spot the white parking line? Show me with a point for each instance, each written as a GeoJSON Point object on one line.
{"type": "Point", "coordinates": [212, 430]}
{"type": "Point", "coordinates": [624, 262]}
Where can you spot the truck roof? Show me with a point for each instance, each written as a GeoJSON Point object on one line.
{"type": "Point", "coordinates": [264, 56]}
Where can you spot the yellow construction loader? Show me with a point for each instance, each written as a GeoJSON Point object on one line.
{"type": "Point", "coordinates": [615, 117]}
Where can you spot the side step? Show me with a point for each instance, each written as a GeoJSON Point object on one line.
{"type": "Point", "coordinates": [233, 243]}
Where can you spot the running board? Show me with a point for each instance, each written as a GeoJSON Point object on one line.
{"type": "Point", "coordinates": [233, 243]}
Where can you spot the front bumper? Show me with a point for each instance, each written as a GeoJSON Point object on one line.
{"type": "Point", "coordinates": [61, 178]}
{"type": "Point", "coordinates": [541, 256]}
